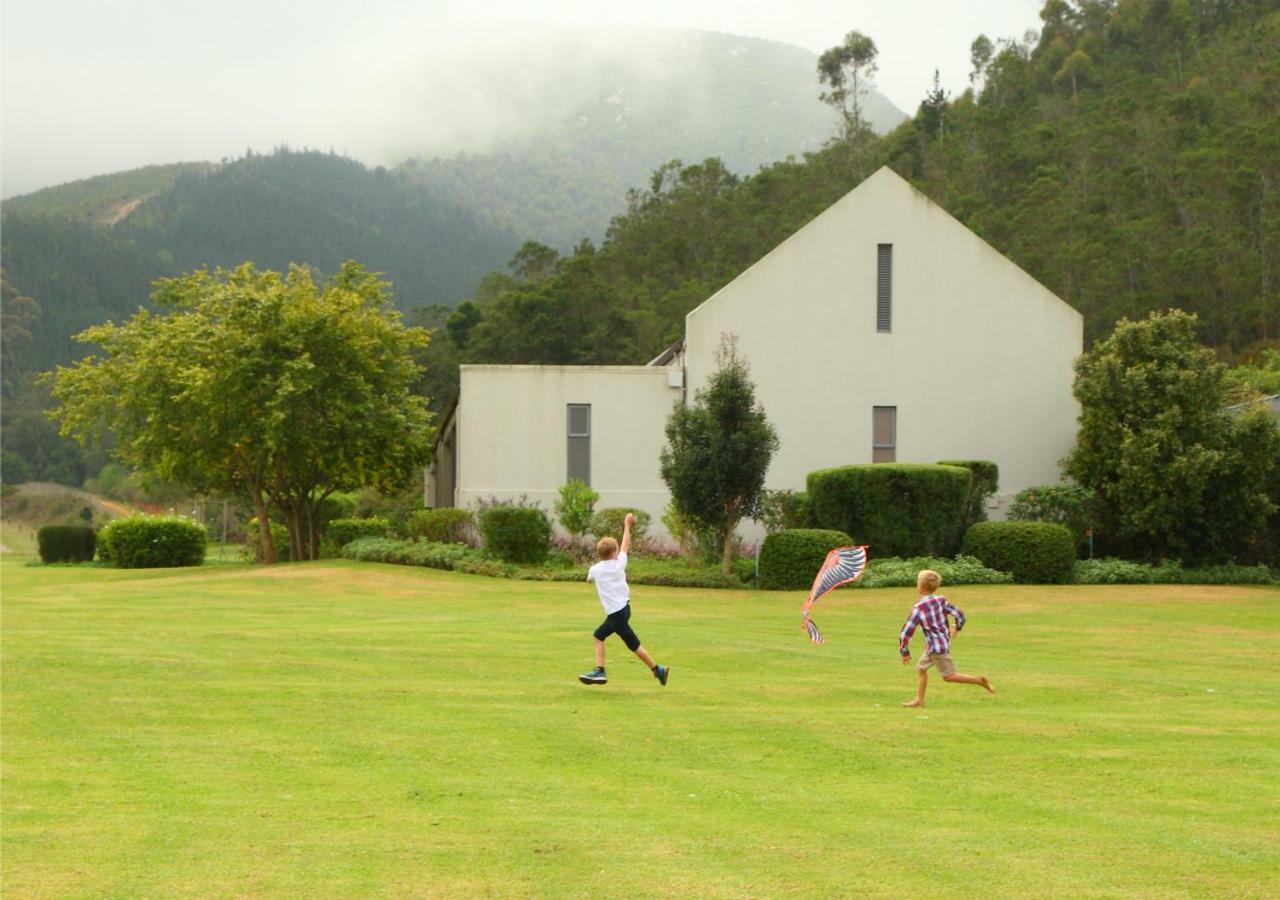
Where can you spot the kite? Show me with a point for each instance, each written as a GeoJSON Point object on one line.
{"type": "Point", "coordinates": [842, 565]}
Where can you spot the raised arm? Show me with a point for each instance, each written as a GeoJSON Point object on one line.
{"type": "Point", "coordinates": [625, 549]}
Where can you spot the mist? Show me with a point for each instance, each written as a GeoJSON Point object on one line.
{"type": "Point", "coordinates": [96, 87]}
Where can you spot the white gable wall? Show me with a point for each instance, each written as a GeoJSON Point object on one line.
{"type": "Point", "coordinates": [978, 363]}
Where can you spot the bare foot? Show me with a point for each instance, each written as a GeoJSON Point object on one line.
{"type": "Point", "coordinates": [914, 703]}
{"type": "Point", "coordinates": [986, 683]}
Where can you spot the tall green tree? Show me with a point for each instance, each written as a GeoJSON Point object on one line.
{"type": "Point", "coordinates": [1175, 472]}
{"type": "Point", "coordinates": [718, 452]}
{"type": "Point", "coordinates": [259, 384]}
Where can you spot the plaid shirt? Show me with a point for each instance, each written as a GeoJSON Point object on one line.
{"type": "Point", "coordinates": [930, 614]}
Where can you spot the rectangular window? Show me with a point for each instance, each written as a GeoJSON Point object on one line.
{"type": "Point", "coordinates": [884, 434]}
{"type": "Point", "coordinates": [884, 288]}
{"type": "Point", "coordinates": [579, 438]}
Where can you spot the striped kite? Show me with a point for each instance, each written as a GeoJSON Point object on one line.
{"type": "Point", "coordinates": [842, 565]}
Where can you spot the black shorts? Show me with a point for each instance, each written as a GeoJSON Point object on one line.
{"type": "Point", "coordinates": [619, 623]}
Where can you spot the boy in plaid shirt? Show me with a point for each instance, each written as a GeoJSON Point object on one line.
{"type": "Point", "coordinates": [930, 615]}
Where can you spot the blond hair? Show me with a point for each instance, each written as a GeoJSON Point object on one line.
{"type": "Point", "coordinates": [928, 580]}
{"type": "Point", "coordinates": [607, 548]}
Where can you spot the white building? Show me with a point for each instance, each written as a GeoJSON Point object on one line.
{"type": "Point", "coordinates": [883, 330]}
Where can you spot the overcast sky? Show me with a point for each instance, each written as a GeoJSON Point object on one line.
{"type": "Point", "coordinates": [94, 86]}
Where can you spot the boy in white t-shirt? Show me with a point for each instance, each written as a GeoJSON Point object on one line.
{"type": "Point", "coordinates": [610, 577]}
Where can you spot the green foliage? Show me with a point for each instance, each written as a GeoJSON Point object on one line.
{"type": "Point", "coordinates": [13, 468]}
{"type": "Point", "coordinates": [66, 543]}
{"type": "Point", "coordinates": [516, 534]}
{"type": "Point", "coordinates": [448, 525]}
{"type": "Point", "coordinates": [896, 509]}
{"type": "Point", "coordinates": [1263, 376]}
{"type": "Point", "coordinates": [609, 523]}
{"type": "Point", "coordinates": [149, 542]}
{"type": "Point", "coordinates": [784, 509]}
{"type": "Point", "coordinates": [789, 560]}
{"type": "Point", "coordinates": [1174, 473]}
{"type": "Point", "coordinates": [1122, 571]}
{"type": "Point", "coordinates": [984, 482]}
{"type": "Point", "coordinates": [343, 531]}
{"type": "Point", "coordinates": [896, 572]}
{"type": "Point", "coordinates": [222, 394]}
{"type": "Point", "coordinates": [575, 506]}
{"type": "Point", "coordinates": [718, 451]}
{"type": "Point", "coordinates": [1033, 552]}
{"type": "Point", "coordinates": [253, 540]}
{"type": "Point", "coordinates": [1062, 504]}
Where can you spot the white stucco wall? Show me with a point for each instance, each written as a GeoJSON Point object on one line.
{"type": "Point", "coordinates": [513, 441]}
{"type": "Point", "coordinates": [978, 363]}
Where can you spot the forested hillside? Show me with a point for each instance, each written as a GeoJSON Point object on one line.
{"type": "Point", "coordinates": [1129, 159]}
{"type": "Point", "coordinates": [672, 95]}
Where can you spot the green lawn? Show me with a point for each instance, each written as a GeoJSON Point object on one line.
{"type": "Point", "coordinates": [343, 729]}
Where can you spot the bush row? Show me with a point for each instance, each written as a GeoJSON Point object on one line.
{"type": "Point", "coordinates": [1033, 552]}
{"type": "Point", "coordinates": [1123, 571]}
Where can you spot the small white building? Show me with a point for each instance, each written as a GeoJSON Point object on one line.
{"type": "Point", "coordinates": [881, 331]}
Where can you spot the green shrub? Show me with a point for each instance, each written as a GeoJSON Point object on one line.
{"type": "Point", "coordinates": [1123, 571]}
{"type": "Point", "coordinates": [608, 522]}
{"type": "Point", "coordinates": [895, 509]}
{"type": "Point", "coordinates": [895, 572]}
{"type": "Point", "coordinates": [1033, 552]}
{"type": "Point", "coordinates": [1062, 504]}
{"type": "Point", "coordinates": [447, 525]}
{"type": "Point", "coordinates": [253, 540]}
{"type": "Point", "coordinates": [784, 510]}
{"type": "Point", "coordinates": [343, 531]}
{"type": "Point", "coordinates": [66, 543]}
{"type": "Point", "coordinates": [518, 534]}
{"type": "Point", "coordinates": [576, 506]}
{"type": "Point", "coordinates": [790, 559]}
{"type": "Point", "coordinates": [984, 481]}
{"type": "Point", "coordinates": [147, 542]}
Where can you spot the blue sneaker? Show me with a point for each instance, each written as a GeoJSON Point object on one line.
{"type": "Point", "coordinates": [661, 673]}
{"type": "Point", "coordinates": [595, 676]}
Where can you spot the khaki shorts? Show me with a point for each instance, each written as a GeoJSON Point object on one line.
{"type": "Point", "coordinates": [941, 660]}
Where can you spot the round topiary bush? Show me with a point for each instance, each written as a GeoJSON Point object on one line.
{"type": "Point", "coordinates": [66, 543]}
{"type": "Point", "coordinates": [608, 522]}
{"type": "Point", "coordinates": [518, 534]}
{"type": "Point", "coordinates": [1033, 552]}
{"type": "Point", "coordinates": [790, 559]}
{"type": "Point", "coordinates": [147, 542]}
{"type": "Point", "coordinates": [895, 509]}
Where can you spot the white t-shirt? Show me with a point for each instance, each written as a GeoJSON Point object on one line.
{"type": "Point", "coordinates": [610, 576]}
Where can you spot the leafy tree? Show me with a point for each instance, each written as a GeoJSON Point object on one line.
{"type": "Point", "coordinates": [1174, 472]}
{"type": "Point", "coordinates": [847, 69]}
{"type": "Point", "coordinates": [575, 506]}
{"type": "Point", "coordinates": [718, 452]}
{"type": "Point", "coordinates": [259, 384]}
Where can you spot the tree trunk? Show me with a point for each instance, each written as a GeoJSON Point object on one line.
{"type": "Point", "coordinates": [726, 560]}
{"type": "Point", "coordinates": [264, 528]}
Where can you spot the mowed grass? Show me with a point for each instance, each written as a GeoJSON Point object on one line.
{"type": "Point", "coordinates": [344, 729]}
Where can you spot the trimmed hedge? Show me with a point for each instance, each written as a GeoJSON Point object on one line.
{"type": "Point", "coordinates": [984, 482]}
{"type": "Point", "coordinates": [790, 559]}
{"type": "Point", "coordinates": [1123, 571]}
{"type": "Point", "coordinates": [1062, 504]}
{"type": "Point", "coordinates": [66, 543]}
{"type": "Point", "coordinates": [447, 525]}
{"type": "Point", "coordinates": [608, 522]}
{"type": "Point", "coordinates": [895, 509]}
{"type": "Point", "coordinates": [152, 542]}
{"type": "Point", "coordinates": [517, 534]}
{"type": "Point", "coordinates": [1033, 552]}
{"type": "Point", "coordinates": [341, 532]}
